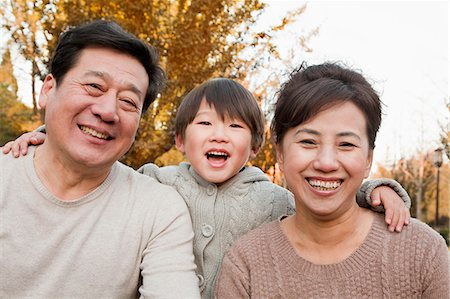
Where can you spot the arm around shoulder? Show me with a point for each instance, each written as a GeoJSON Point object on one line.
{"type": "Point", "coordinates": [363, 195]}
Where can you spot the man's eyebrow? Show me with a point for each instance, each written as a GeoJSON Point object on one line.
{"type": "Point", "coordinates": [105, 76]}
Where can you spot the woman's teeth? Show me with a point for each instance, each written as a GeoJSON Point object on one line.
{"type": "Point", "coordinates": [324, 185]}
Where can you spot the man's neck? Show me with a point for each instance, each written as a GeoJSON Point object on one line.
{"type": "Point", "coordinates": [65, 179]}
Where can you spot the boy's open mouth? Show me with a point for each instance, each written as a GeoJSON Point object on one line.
{"type": "Point", "coordinates": [217, 156]}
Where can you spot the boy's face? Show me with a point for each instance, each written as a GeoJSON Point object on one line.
{"type": "Point", "coordinates": [217, 149]}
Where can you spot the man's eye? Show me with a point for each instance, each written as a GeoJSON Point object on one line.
{"type": "Point", "coordinates": [129, 102]}
{"type": "Point", "coordinates": [94, 85]}
{"type": "Point", "coordinates": [94, 89]}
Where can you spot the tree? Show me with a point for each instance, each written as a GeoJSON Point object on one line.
{"type": "Point", "coordinates": [15, 117]}
{"type": "Point", "coordinates": [24, 20]}
{"type": "Point", "coordinates": [197, 40]}
{"type": "Point", "coordinates": [418, 176]}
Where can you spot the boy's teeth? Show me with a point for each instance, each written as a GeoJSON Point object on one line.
{"type": "Point", "coordinates": [217, 153]}
{"type": "Point", "coordinates": [93, 132]}
{"type": "Point", "coordinates": [324, 185]}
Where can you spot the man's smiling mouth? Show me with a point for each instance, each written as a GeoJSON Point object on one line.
{"type": "Point", "coordinates": [94, 133]}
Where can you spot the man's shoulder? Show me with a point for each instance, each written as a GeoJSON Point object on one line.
{"type": "Point", "coordinates": [146, 186]}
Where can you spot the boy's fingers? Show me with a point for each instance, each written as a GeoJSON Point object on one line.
{"type": "Point", "coordinates": [15, 149]}
{"type": "Point", "coordinates": [376, 201]}
{"type": "Point", "coordinates": [388, 216]}
{"type": "Point", "coordinates": [7, 147]}
{"type": "Point", "coordinates": [394, 221]}
{"type": "Point", "coordinates": [401, 221]}
{"type": "Point", "coordinates": [408, 215]}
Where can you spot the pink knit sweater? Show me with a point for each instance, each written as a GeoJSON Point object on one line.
{"type": "Point", "coordinates": [410, 264]}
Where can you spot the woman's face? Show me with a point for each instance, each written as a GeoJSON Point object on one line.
{"type": "Point", "coordinates": [325, 159]}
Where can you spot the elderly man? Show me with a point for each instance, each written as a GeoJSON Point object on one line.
{"type": "Point", "coordinates": [74, 222]}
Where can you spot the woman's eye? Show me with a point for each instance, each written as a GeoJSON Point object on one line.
{"type": "Point", "coordinates": [307, 142]}
{"type": "Point", "coordinates": [346, 145]}
{"type": "Point", "coordinates": [236, 126]}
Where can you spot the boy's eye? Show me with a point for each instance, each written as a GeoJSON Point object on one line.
{"type": "Point", "coordinates": [203, 122]}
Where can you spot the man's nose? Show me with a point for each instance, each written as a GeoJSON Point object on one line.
{"type": "Point", "coordinates": [106, 107]}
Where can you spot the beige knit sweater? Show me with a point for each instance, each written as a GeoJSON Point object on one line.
{"type": "Point", "coordinates": [413, 264]}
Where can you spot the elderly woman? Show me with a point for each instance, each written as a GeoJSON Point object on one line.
{"type": "Point", "coordinates": [325, 124]}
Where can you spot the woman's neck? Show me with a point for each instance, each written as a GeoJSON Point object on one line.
{"type": "Point", "coordinates": [330, 240]}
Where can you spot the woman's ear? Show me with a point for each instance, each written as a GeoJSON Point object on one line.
{"type": "Point", "coordinates": [368, 164]}
{"type": "Point", "coordinates": [280, 158]}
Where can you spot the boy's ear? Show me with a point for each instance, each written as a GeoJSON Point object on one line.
{"type": "Point", "coordinates": [47, 87]}
{"type": "Point", "coordinates": [179, 142]}
{"type": "Point", "coordinates": [254, 153]}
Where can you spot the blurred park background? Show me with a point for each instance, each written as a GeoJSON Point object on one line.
{"type": "Point", "coordinates": [402, 47]}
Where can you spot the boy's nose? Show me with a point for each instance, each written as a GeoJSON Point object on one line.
{"type": "Point", "coordinates": [106, 107]}
{"type": "Point", "coordinates": [219, 134]}
{"type": "Point", "coordinates": [326, 160]}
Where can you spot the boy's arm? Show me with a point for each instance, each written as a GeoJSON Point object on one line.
{"type": "Point", "coordinates": [20, 145]}
{"type": "Point", "coordinates": [386, 196]}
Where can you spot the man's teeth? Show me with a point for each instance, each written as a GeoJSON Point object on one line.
{"type": "Point", "coordinates": [324, 185]}
{"type": "Point", "coordinates": [93, 132]}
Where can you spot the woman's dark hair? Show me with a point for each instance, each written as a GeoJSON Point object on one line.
{"type": "Point", "coordinates": [313, 89]}
{"type": "Point", "coordinates": [228, 98]}
{"type": "Point", "coordinates": [107, 34]}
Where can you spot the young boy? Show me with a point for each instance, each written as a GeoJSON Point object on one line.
{"type": "Point", "coordinates": [220, 127]}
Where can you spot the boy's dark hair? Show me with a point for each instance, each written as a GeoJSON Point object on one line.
{"type": "Point", "coordinates": [107, 34]}
{"type": "Point", "coordinates": [313, 89]}
{"type": "Point", "coordinates": [228, 98]}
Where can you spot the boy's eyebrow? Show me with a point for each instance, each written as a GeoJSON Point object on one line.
{"type": "Point", "coordinates": [128, 85]}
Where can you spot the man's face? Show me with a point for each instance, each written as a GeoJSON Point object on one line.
{"type": "Point", "coordinates": [92, 115]}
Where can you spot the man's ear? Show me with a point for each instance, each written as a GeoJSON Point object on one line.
{"type": "Point", "coordinates": [179, 142]}
{"type": "Point", "coordinates": [48, 87]}
{"type": "Point", "coordinates": [280, 158]}
{"type": "Point", "coordinates": [369, 164]}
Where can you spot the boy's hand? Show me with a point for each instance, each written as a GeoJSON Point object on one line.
{"type": "Point", "coordinates": [396, 213]}
{"type": "Point", "coordinates": [20, 145]}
